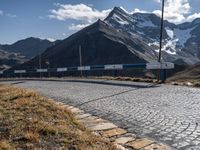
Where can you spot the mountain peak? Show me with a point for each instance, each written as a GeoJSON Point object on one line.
{"type": "Point", "coordinates": [99, 24]}
{"type": "Point", "coordinates": [196, 21]}
{"type": "Point", "coordinates": [119, 10]}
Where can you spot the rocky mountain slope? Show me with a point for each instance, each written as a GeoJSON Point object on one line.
{"type": "Point", "coordinates": [29, 47]}
{"type": "Point", "coordinates": [22, 51]}
{"type": "Point", "coordinates": [125, 38]}
{"type": "Point", "coordinates": [101, 44]}
{"type": "Point", "coordinates": [190, 74]}
{"type": "Point", "coordinates": [8, 59]}
{"type": "Point", "coordinates": [181, 42]}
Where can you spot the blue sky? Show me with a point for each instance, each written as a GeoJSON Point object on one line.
{"type": "Point", "coordinates": [57, 19]}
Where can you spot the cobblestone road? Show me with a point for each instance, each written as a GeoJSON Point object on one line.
{"type": "Point", "coordinates": [169, 114]}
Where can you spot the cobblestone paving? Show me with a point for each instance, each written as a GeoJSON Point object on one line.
{"type": "Point", "coordinates": [169, 114]}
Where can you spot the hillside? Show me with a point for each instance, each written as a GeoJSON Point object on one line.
{"type": "Point", "coordinates": [9, 59]}
{"type": "Point", "coordinates": [22, 51]}
{"type": "Point", "coordinates": [101, 44]}
{"type": "Point", "coordinates": [29, 47]}
{"type": "Point", "coordinates": [125, 38]}
{"type": "Point", "coordinates": [190, 74]}
{"type": "Point", "coordinates": [180, 44]}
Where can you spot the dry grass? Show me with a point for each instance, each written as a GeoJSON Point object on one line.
{"type": "Point", "coordinates": [31, 121]}
{"type": "Point", "coordinates": [128, 79]}
{"type": "Point", "coordinates": [184, 81]}
{"type": "Point", "coordinates": [174, 81]}
{"type": "Point", "coordinates": [189, 77]}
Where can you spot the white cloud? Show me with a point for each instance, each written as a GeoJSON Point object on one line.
{"type": "Point", "coordinates": [177, 11]}
{"type": "Point", "coordinates": [49, 39]}
{"type": "Point", "coordinates": [7, 14]}
{"type": "Point", "coordinates": [78, 27]}
{"type": "Point", "coordinates": [1, 12]}
{"type": "Point", "coordinates": [137, 10]}
{"type": "Point", "coordinates": [42, 17]}
{"type": "Point", "coordinates": [193, 16]}
{"type": "Point", "coordinates": [158, 1]}
{"type": "Point", "coordinates": [80, 12]}
{"type": "Point", "coordinates": [11, 15]}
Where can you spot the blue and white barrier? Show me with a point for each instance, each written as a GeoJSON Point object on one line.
{"type": "Point", "coordinates": [19, 71]}
{"type": "Point", "coordinates": [84, 68]}
{"type": "Point", "coordinates": [113, 67]}
{"type": "Point", "coordinates": [150, 66]}
{"type": "Point", "coordinates": [42, 70]}
{"type": "Point", "coordinates": [62, 69]}
{"type": "Point", "coordinates": [157, 65]}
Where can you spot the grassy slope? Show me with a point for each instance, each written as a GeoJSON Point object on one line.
{"type": "Point", "coordinates": [31, 121]}
{"type": "Point", "coordinates": [191, 74]}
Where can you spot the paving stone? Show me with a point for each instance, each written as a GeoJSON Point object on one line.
{"type": "Point", "coordinates": [137, 106]}
{"type": "Point", "coordinates": [157, 147]}
{"type": "Point", "coordinates": [113, 132]}
{"type": "Point", "coordinates": [82, 116]}
{"type": "Point", "coordinates": [119, 147]}
{"type": "Point", "coordinates": [140, 143]}
{"type": "Point", "coordinates": [76, 110]}
{"type": "Point", "coordinates": [103, 126]}
{"type": "Point", "coordinates": [91, 121]}
{"type": "Point", "coordinates": [124, 140]}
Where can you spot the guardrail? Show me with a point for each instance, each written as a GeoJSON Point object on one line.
{"type": "Point", "coordinates": [149, 66]}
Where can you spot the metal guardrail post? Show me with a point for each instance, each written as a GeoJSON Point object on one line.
{"type": "Point", "coordinates": [163, 75]}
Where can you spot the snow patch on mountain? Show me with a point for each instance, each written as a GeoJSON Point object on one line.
{"type": "Point", "coordinates": [141, 33]}
{"type": "Point", "coordinates": [125, 10]}
{"type": "Point", "coordinates": [119, 19]}
{"type": "Point", "coordinates": [178, 40]}
{"type": "Point", "coordinates": [170, 32]}
{"type": "Point", "coordinates": [182, 35]}
{"type": "Point", "coordinates": [153, 44]}
{"type": "Point", "coordinates": [147, 24]}
{"type": "Point", "coordinates": [169, 47]}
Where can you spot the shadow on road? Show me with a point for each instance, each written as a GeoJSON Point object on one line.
{"type": "Point", "coordinates": [91, 81]}
{"type": "Point", "coordinates": [108, 82]}
{"type": "Point", "coordinates": [19, 82]}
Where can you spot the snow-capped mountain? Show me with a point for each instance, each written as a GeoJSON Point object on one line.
{"type": "Point", "coordinates": [124, 38]}
{"type": "Point", "coordinates": [181, 42]}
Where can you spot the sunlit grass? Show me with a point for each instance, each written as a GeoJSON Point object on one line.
{"type": "Point", "coordinates": [31, 121]}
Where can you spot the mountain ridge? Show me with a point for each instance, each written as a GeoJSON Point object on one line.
{"type": "Point", "coordinates": [22, 50]}
{"type": "Point", "coordinates": [123, 38]}
{"type": "Point", "coordinates": [29, 47]}
{"type": "Point", "coordinates": [178, 39]}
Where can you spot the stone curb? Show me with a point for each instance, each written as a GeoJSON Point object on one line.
{"type": "Point", "coordinates": [109, 131]}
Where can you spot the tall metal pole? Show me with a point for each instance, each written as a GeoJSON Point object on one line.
{"type": "Point", "coordinates": [40, 64]}
{"type": "Point", "coordinates": [80, 57]}
{"type": "Point", "coordinates": [161, 38]}
{"type": "Point", "coordinates": [161, 31]}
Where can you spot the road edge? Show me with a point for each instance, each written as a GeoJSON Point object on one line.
{"type": "Point", "coordinates": [123, 139]}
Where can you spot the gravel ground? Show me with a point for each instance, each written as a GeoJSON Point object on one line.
{"type": "Point", "coordinates": [169, 114]}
